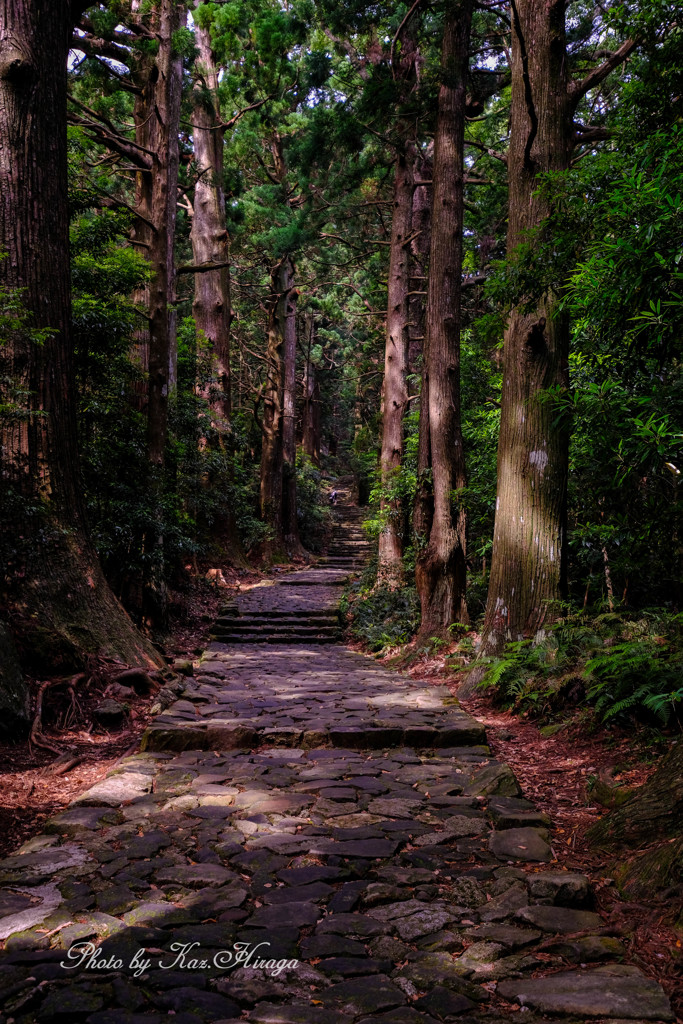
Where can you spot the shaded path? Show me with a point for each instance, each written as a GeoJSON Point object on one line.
{"type": "Point", "coordinates": [349, 830]}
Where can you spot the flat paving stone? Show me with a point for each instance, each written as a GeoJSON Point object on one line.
{"type": "Point", "coordinates": [614, 991]}
{"type": "Point", "coordinates": [522, 844]}
{"type": "Point", "coordinates": [363, 995]}
{"type": "Point", "coordinates": [559, 919]}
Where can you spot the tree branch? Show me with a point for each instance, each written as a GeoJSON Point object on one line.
{"type": "Point", "coordinates": [578, 89]}
{"type": "Point", "coordinates": [472, 280]}
{"type": "Point", "coordinates": [201, 268]}
{"type": "Point", "coordinates": [397, 36]}
{"type": "Point", "coordinates": [106, 133]}
{"type": "Point", "coordinates": [491, 152]}
{"type": "Point", "coordinates": [590, 133]}
{"type": "Point", "coordinates": [124, 82]}
{"type": "Point", "coordinates": [93, 47]}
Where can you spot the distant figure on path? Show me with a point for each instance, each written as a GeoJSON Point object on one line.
{"type": "Point", "coordinates": [333, 497]}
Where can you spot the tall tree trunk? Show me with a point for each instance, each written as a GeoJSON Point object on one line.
{"type": "Point", "coordinates": [529, 541]}
{"type": "Point", "coordinates": [209, 235]}
{"type": "Point", "coordinates": [157, 119]}
{"type": "Point", "coordinates": [422, 221]}
{"type": "Point", "coordinates": [310, 418]}
{"type": "Point", "coordinates": [289, 516]}
{"type": "Point", "coordinates": [421, 230]}
{"type": "Point", "coordinates": [394, 389]}
{"type": "Point", "coordinates": [56, 591]}
{"type": "Point", "coordinates": [211, 244]}
{"type": "Point", "coordinates": [271, 481]}
{"type": "Point", "coordinates": [441, 570]}
{"type": "Point", "coordinates": [279, 422]}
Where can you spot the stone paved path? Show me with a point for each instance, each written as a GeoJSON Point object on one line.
{"type": "Point", "coordinates": [306, 837]}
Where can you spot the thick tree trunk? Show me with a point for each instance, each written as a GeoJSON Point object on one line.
{"type": "Point", "coordinates": [211, 244]}
{"type": "Point", "coordinates": [394, 390]}
{"type": "Point", "coordinates": [529, 543]}
{"type": "Point", "coordinates": [59, 601]}
{"type": "Point", "coordinates": [270, 503]}
{"type": "Point", "coordinates": [441, 571]}
{"type": "Point", "coordinates": [209, 235]}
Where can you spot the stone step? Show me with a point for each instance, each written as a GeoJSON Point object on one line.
{"type": "Point", "coordinates": [269, 621]}
{"type": "Point", "coordinates": [349, 555]}
{"type": "Point", "coordinates": [357, 546]}
{"type": "Point", "coordinates": [330, 614]}
{"type": "Point", "coordinates": [344, 560]}
{"type": "Point", "coordinates": [269, 629]}
{"type": "Point", "coordinates": [235, 639]}
{"type": "Point", "coordinates": [338, 580]}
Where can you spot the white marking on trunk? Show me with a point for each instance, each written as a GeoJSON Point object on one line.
{"type": "Point", "coordinates": [539, 459]}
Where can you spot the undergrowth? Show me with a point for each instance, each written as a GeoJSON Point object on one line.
{"type": "Point", "coordinates": [382, 617]}
{"type": "Point", "coordinates": [625, 666]}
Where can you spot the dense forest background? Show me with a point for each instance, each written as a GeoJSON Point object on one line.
{"type": "Point", "coordinates": [249, 247]}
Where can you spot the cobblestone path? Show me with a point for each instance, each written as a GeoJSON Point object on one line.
{"type": "Point", "coordinates": [306, 837]}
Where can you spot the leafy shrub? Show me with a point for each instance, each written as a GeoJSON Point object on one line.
{"type": "Point", "coordinates": [383, 617]}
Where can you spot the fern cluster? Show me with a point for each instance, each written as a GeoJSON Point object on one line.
{"type": "Point", "coordinates": [622, 666]}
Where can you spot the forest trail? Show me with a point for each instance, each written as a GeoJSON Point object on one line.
{"type": "Point", "coordinates": [348, 829]}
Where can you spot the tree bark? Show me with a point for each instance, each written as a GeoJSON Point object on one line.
{"type": "Point", "coordinates": [529, 543]}
{"type": "Point", "coordinates": [394, 389]}
{"type": "Point", "coordinates": [441, 570]}
{"type": "Point", "coordinates": [59, 601]}
{"type": "Point", "coordinates": [209, 235]}
{"type": "Point", "coordinates": [421, 231]}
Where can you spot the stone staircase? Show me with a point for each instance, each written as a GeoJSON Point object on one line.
{"type": "Point", "coordinates": [309, 611]}
{"type": "Point", "coordinates": [271, 626]}
{"type": "Point", "coordinates": [349, 547]}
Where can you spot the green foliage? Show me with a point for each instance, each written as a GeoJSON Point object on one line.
{"type": "Point", "coordinates": [16, 328]}
{"type": "Point", "coordinates": [314, 516]}
{"type": "Point", "coordinates": [383, 618]}
{"type": "Point", "coordinates": [622, 666]}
